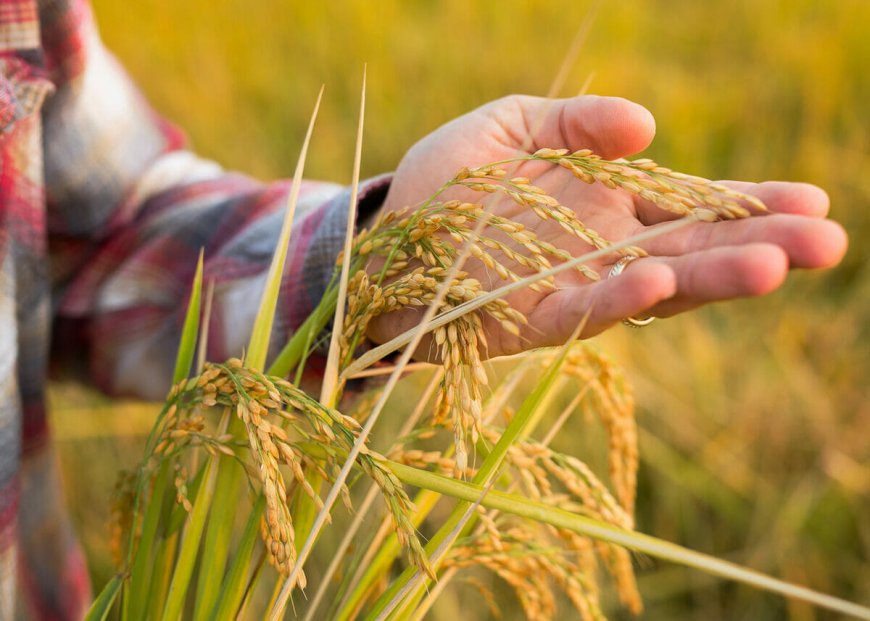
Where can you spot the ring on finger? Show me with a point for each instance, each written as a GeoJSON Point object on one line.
{"type": "Point", "coordinates": [616, 270]}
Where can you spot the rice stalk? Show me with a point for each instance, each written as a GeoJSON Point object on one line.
{"type": "Point", "coordinates": [517, 428]}
{"type": "Point", "coordinates": [407, 427]}
{"type": "Point", "coordinates": [631, 540]}
{"type": "Point", "coordinates": [421, 267]}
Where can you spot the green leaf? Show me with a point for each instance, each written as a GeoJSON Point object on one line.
{"type": "Point", "coordinates": [187, 345]}
{"type": "Point", "coordinates": [190, 543]}
{"type": "Point", "coordinates": [258, 347]}
{"type": "Point", "coordinates": [297, 345]}
{"type": "Point", "coordinates": [233, 587]}
{"type": "Point", "coordinates": [140, 572]}
{"type": "Point", "coordinates": [639, 542]}
{"type": "Point", "coordinates": [329, 387]}
{"type": "Point", "coordinates": [99, 610]}
{"type": "Point", "coordinates": [136, 603]}
{"type": "Point", "coordinates": [215, 550]}
{"type": "Point", "coordinates": [164, 560]}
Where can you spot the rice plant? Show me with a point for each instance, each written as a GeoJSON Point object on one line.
{"type": "Point", "coordinates": [235, 437]}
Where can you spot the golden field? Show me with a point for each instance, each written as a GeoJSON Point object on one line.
{"type": "Point", "coordinates": [755, 416]}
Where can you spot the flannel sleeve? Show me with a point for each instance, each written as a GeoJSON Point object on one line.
{"type": "Point", "coordinates": [129, 209]}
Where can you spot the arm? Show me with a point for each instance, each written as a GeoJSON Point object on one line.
{"type": "Point", "coordinates": [129, 209]}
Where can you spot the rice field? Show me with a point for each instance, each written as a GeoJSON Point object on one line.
{"type": "Point", "coordinates": [754, 417]}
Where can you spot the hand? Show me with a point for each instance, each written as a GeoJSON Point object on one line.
{"type": "Point", "coordinates": [701, 263]}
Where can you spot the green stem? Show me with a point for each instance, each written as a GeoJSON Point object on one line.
{"type": "Point", "coordinates": [638, 542]}
{"type": "Point", "coordinates": [99, 610]}
{"type": "Point", "coordinates": [190, 544]}
{"type": "Point", "coordinates": [295, 348]}
{"type": "Point", "coordinates": [379, 566]}
{"type": "Point", "coordinates": [216, 546]}
{"type": "Point", "coordinates": [521, 425]}
{"type": "Point", "coordinates": [233, 587]}
{"type": "Point", "coordinates": [164, 560]}
{"type": "Point", "coordinates": [135, 602]}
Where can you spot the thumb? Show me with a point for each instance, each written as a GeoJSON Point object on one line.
{"type": "Point", "coordinates": [612, 127]}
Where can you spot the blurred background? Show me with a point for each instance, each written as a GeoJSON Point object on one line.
{"type": "Point", "coordinates": [755, 415]}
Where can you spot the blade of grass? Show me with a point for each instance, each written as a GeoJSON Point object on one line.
{"type": "Point", "coordinates": [99, 610]}
{"type": "Point", "coordinates": [194, 525]}
{"type": "Point", "coordinates": [218, 535]}
{"type": "Point", "coordinates": [328, 392]}
{"type": "Point", "coordinates": [305, 511]}
{"type": "Point", "coordinates": [422, 609]}
{"type": "Point", "coordinates": [190, 329]}
{"type": "Point", "coordinates": [418, 579]}
{"type": "Point", "coordinates": [226, 480]}
{"type": "Point", "coordinates": [202, 348]}
{"type": "Point", "coordinates": [247, 596]}
{"type": "Point", "coordinates": [190, 544]}
{"type": "Point", "coordinates": [258, 346]}
{"type": "Point", "coordinates": [140, 573]}
{"type": "Point", "coordinates": [296, 346]}
{"type": "Point", "coordinates": [434, 593]}
{"type": "Point", "coordinates": [136, 600]}
{"type": "Point", "coordinates": [379, 558]}
{"type": "Point", "coordinates": [376, 563]}
{"type": "Point", "coordinates": [164, 560]}
{"type": "Point", "coordinates": [233, 587]}
{"type": "Point", "coordinates": [300, 368]}
{"type": "Point", "coordinates": [638, 542]}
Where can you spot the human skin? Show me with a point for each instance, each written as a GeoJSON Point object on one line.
{"type": "Point", "coordinates": [701, 263]}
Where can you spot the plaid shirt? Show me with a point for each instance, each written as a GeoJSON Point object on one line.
{"type": "Point", "coordinates": [102, 214]}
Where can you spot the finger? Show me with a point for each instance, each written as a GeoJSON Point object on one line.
{"type": "Point", "coordinates": [802, 199]}
{"type": "Point", "coordinates": [721, 274]}
{"type": "Point", "coordinates": [610, 126]}
{"type": "Point", "coordinates": [637, 289]}
{"type": "Point", "coordinates": [807, 242]}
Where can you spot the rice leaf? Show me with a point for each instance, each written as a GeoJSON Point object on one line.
{"type": "Point", "coordinates": [140, 572]}
{"type": "Point", "coordinates": [190, 544]}
{"type": "Point", "coordinates": [639, 542]}
{"type": "Point", "coordinates": [328, 393]}
{"type": "Point", "coordinates": [136, 600]}
{"type": "Point", "coordinates": [297, 346]}
{"type": "Point", "coordinates": [362, 510]}
{"type": "Point", "coordinates": [233, 587]}
{"type": "Point", "coordinates": [99, 610]}
{"type": "Point", "coordinates": [258, 347]}
{"type": "Point", "coordinates": [189, 331]}
{"type": "Point", "coordinates": [218, 535]}
{"type": "Point", "coordinates": [164, 560]}
{"type": "Point", "coordinates": [202, 347]}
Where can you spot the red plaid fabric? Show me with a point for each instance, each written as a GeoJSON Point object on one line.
{"type": "Point", "coordinates": [102, 215]}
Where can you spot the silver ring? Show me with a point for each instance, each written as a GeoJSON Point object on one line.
{"type": "Point", "coordinates": [616, 270]}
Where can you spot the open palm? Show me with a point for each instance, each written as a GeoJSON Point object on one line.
{"type": "Point", "coordinates": [701, 263]}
